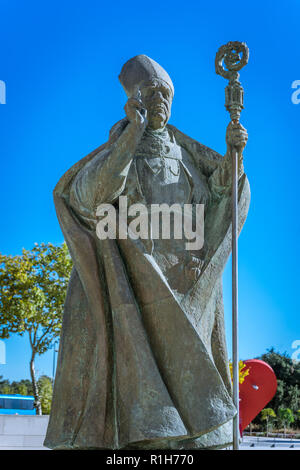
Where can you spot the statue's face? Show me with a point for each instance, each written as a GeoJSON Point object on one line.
{"type": "Point", "coordinates": [157, 99]}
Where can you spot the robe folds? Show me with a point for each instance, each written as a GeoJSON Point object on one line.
{"type": "Point", "coordinates": [140, 366]}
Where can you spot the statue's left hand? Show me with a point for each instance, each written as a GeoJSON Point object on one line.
{"type": "Point", "coordinates": [236, 137]}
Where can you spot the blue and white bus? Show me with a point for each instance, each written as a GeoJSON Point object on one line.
{"type": "Point", "coordinates": [17, 405]}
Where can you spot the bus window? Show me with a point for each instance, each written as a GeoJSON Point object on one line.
{"type": "Point", "coordinates": [16, 404]}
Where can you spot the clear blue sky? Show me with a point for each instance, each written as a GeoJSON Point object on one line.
{"type": "Point", "coordinates": [61, 60]}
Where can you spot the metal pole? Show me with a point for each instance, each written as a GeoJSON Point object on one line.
{"type": "Point", "coordinates": [235, 349]}
{"type": "Point", "coordinates": [235, 56]}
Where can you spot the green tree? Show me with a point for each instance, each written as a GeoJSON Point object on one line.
{"type": "Point", "coordinates": [288, 380]}
{"type": "Point", "coordinates": [285, 417]}
{"type": "Point", "coordinates": [4, 385]}
{"type": "Point", "coordinates": [45, 387]}
{"type": "Point", "coordinates": [267, 414]}
{"type": "Point", "coordinates": [23, 387]}
{"type": "Point", "coordinates": [297, 418]}
{"type": "Point", "coordinates": [32, 293]}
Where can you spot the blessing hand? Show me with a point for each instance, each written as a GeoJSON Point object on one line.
{"type": "Point", "coordinates": [136, 112]}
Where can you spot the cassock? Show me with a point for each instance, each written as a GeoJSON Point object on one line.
{"type": "Point", "coordinates": [142, 360]}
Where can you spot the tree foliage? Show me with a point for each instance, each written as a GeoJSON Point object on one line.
{"type": "Point", "coordinates": [244, 370]}
{"type": "Point", "coordinates": [287, 395]}
{"type": "Point", "coordinates": [32, 293]}
{"type": "Point", "coordinates": [285, 417]}
{"type": "Point", "coordinates": [45, 387]}
{"type": "Point", "coordinates": [288, 379]}
{"type": "Point", "coordinates": [267, 413]}
{"type": "Point", "coordinates": [24, 387]}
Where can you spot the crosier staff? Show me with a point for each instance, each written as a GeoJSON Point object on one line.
{"type": "Point", "coordinates": [235, 56]}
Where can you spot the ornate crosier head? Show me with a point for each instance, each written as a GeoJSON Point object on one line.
{"type": "Point", "coordinates": [144, 78]}
{"type": "Point", "coordinates": [235, 56]}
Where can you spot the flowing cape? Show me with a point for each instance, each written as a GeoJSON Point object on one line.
{"type": "Point", "coordinates": [132, 369]}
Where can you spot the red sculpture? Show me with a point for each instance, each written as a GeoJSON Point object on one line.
{"type": "Point", "coordinates": [258, 388]}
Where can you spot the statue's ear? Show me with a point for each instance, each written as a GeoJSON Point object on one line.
{"type": "Point", "coordinates": [136, 93]}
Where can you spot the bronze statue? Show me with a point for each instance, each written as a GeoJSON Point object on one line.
{"type": "Point", "coordinates": [142, 361]}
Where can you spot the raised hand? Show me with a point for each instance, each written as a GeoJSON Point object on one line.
{"type": "Point", "coordinates": [136, 112]}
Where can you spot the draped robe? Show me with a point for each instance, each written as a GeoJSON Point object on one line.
{"type": "Point", "coordinates": [142, 363]}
